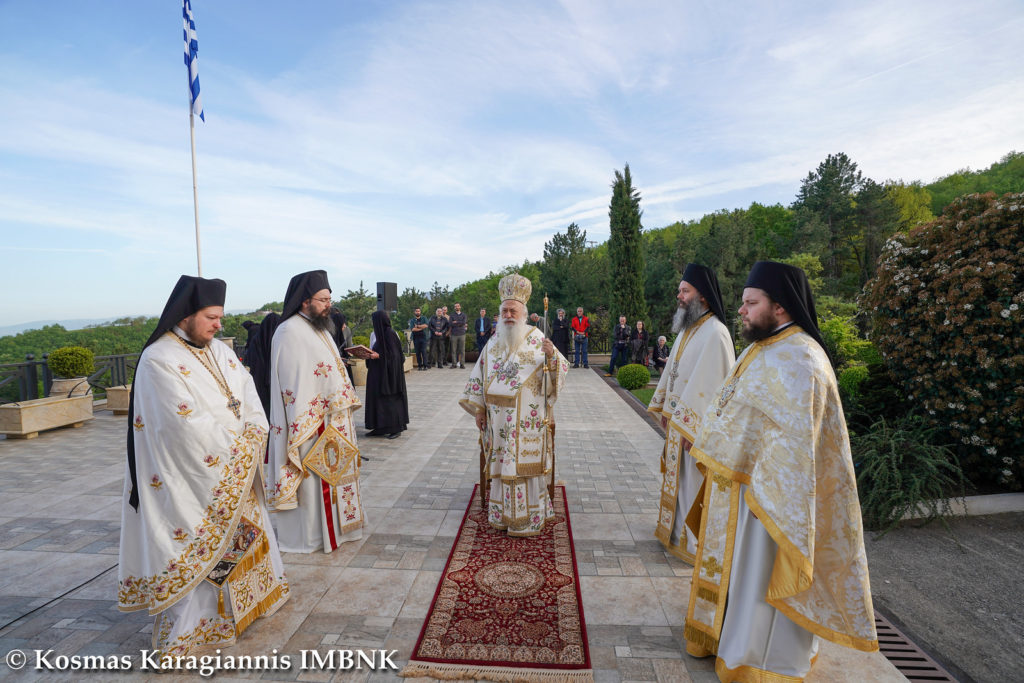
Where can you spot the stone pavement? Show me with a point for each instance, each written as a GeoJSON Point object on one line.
{"type": "Point", "coordinates": [60, 506]}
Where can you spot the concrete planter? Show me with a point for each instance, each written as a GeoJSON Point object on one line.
{"type": "Point", "coordinates": [25, 419]}
{"type": "Point", "coordinates": [408, 363]}
{"type": "Point", "coordinates": [358, 372]}
{"type": "Point", "coordinates": [117, 398]}
{"type": "Point", "coordinates": [73, 386]}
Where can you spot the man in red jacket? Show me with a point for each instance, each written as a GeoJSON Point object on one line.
{"type": "Point", "coordinates": [580, 325]}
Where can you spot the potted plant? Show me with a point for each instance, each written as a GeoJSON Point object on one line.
{"type": "Point", "coordinates": [70, 365]}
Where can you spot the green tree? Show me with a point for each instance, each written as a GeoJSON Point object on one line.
{"type": "Point", "coordinates": [625, 249]}
{"type": "Point", "coordinates": [728, 248]}
{"type": "Point", "coordinates": [877, 218]}
{"type": "Point", "coordinates": [773, 230]}
{"type": "Point", "coordinates": [912, 201]}
{"type": "Point", "coordinates": [826, 210]}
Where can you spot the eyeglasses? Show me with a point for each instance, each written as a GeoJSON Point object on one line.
{"type": "Point", "coordinates": [323, 300]}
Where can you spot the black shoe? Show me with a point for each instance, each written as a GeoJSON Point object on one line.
{"type": "Point", "coordinates": [575, 366]}
{"type": "Point", "coordinates": [461, 366]}
{"type": "Point", "coordinates": [375, 432]}
{"type": "Point", "coordinates": [394, 435]}
{"type": "Point", "coordinates": [585, 365]}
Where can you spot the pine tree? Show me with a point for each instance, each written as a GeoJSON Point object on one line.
{"type": "Point", "coordinates": [625, 250]}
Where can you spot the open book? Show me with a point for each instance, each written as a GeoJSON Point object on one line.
{"type": "Point", "coordinates": [359, 351]}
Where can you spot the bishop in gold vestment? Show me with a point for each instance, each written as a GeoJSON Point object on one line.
{"type": "Point", "coordinates": [506, 395]}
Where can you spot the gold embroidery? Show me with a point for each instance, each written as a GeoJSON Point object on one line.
{"type": "Point", "coordinates": [712, 566]}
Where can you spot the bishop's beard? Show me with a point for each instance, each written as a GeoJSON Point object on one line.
{"type": "Point", "coordinates": [511, 336]}
{"type": "Point", "coordinates": [686, 315]}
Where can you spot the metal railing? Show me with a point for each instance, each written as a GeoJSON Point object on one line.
{"type": "Point", "coordinates": [33, 378]}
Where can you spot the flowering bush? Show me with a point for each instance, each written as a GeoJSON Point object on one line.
{"type": "Point", "coordinates": [946, 309]}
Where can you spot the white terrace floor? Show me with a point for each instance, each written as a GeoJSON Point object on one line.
{"type": "Point", "coordinates": [60, 506]}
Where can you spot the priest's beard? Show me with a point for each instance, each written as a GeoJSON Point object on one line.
{"type": "Point", "coordinates": [324, 322]}
{"type": "Point", "coordinates": [761, 328]}
{"type": "Point", "coordinates": [509, 336]}
{"type": "Point", "coordinates": [686, 316]}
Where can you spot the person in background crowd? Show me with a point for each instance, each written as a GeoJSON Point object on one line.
{"type": "Point", "coordinates": [447, 345]}
{"type": "Point", "coordinates": [419, 333]}
{"type": "Point", "coordinates": [458, 337]}
{"type": "Point", "coordinates": [581, 336]}
{"type": "Point", "coordinates": [620, 346]}
{"type": "Point", "coordinates": [638, 339]}
{"type": "Point", "coordinates": [343, 338]}
{"type": "Point", "coordinates": [251, 328]}
{"type": "Point", "coordinates": [258, 359]}
{"type": "Point", "coordinates": [661, 354]}
{"type": "Point", "coordinates": [387, 404]}
{"type": "Point", "coordinates": [538, 322]}
{"type": "Point", "coordinates": [560, 332]}
{"type": "Point", "coordinates": [439, 327]}
{"type": "Point", "coordinates": [483, 329]}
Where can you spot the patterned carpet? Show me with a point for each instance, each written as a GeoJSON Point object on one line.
{"type": "Point", "coordinates": [506, 609]}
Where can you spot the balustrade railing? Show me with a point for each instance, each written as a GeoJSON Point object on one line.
{"type": "Point", "coordinates": [33, 378]}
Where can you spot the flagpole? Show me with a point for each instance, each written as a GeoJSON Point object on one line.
{"type": "Point", "coordinates": [195, 191]}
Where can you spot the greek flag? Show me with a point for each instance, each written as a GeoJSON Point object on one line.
{"type": "Point", "coordinates": [192, 58]}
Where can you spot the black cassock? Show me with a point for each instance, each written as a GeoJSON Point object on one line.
{"type": "Point", "coordinates": [387, 406]}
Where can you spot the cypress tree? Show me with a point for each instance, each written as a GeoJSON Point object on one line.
{"type": "Point", "coordinates": [625, 251]}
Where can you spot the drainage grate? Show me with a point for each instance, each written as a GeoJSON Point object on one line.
{"type": "Point", "coordinates": [908, 658]}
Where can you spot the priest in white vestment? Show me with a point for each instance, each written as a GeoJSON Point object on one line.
{"type": "Point", "coordinates": [781, 560]}
{"type": "Point", "coordinates": [701, 356]}
{"type": "Point", "coordinates": [313, 480]}
{"type": "Point", "coordinates": [511, 392]}
{"type": "Point", "coordinates": [197, 547]}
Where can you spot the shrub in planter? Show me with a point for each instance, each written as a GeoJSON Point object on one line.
{"type": "Point", "coordinates": [360, 339]}
{"type": "Point", "coordinates": [633, 376]}
{"type": "Point", "coordinates": [946, 308]}
{"type": "Point", "coordinates": [71, 361]}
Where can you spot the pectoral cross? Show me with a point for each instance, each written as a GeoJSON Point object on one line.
{"type": "Point", "coordinates": [234, 404]}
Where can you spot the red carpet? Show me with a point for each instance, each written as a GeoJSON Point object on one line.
{"type": "Point", "coordinates": [506, 609]}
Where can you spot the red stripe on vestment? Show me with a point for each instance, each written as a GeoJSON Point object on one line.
{"type": "Point", "coordinates": [328, 506]}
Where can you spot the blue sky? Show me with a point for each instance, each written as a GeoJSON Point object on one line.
{"type": "Point", "coordinates": [422, 141]}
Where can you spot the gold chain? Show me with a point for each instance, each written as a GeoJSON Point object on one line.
{"type": "Point", "coordinates": [216, 373]}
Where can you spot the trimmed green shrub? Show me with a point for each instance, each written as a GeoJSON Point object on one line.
{"type": "Point", "coordinates": [850, 379]}
{"type": "Point", "coordinates": [901, 468]}
{"type": "Point", "coordinates": [946, 308]}
{"type": "Point", "coordinates": [360, 339]}
{"type": "Point", "coordinates": [633, 376]}
{"type": "Point", "coordinates": [71, 361]}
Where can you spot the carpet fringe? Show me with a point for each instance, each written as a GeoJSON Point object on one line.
{"type": "Point", "coordinates": [459, 672]}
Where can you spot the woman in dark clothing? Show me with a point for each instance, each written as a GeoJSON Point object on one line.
{"type": "Point", "coordinates": [638, 339]}
{"type": "Point", "coordinates": [387, 407]}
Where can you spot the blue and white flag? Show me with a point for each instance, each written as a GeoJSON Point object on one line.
{"type": "Point", "coordinates": [192, 58]}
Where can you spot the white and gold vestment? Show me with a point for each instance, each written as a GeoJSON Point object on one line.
{"type": "Point", "coordinates": [508, 387]}
{"type": "Point", "coordinates": [309, 386]}
{"type": "Point", "coordinates": [201, 540]}
{"type": "Point", "coordinates": [781, 557]}
{"type": "Point", "coordinates": [701, 357]}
